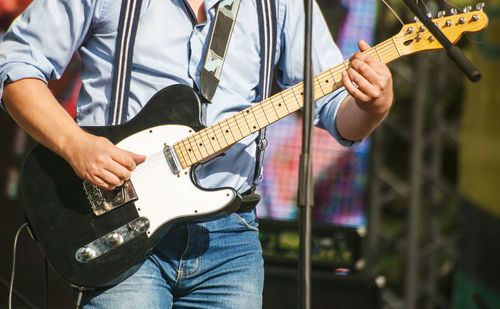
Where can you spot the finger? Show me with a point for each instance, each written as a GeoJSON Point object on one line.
{"type": "Point", "coordinates": [138, 158]}
{"type": "Point", "coordinates": [370, 91]}
{"type": "Point", "coordinates": [124, 158]}
{"type": "Point", "coordinates": [374, 71]}
{"type": "Point", "coordinates": [364, 57]}
{"type": "Point", "coordinates": [106, 181]}
{"type": "Point", "coordinates": [353, 90]}
{"type": "Point", "coordinates": [121, 172]}
{"type": "Point", "coordinates": [366, 70]}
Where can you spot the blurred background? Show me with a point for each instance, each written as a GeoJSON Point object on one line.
{"type": "Point", "coordinates": [409, 218]}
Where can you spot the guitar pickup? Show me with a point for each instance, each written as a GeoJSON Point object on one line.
{"type": "Point", "coordinates": [112, 240]}
{"type": "Point", "coordinates": [172, 161]}
{"type": "Point", "coordinates": [103, 201]}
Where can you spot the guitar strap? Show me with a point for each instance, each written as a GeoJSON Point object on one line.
{"type": "Point", "coordinates": [224, 22]}
{"type": "Point", "coordinates": [266, 10]}
{"type": "Point", "coordinates": [216, 53]}
{"type": "Point", "coordinates": [124, 49]}
{"type": "Point", "coordinates": [222, 30]}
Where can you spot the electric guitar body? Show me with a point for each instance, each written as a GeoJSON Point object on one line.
{"type": "Point", "coordinates": [91, 245]}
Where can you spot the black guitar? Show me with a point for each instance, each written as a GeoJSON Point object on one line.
{"type": "Point", "coordinates": [94, 237]}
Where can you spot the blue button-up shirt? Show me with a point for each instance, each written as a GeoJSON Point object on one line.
{"type": "Point", "coordinates": [169, 49]}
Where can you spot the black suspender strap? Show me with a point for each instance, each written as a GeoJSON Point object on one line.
{"type": "Point", "coordinates": [266, 11]}
{"type": "Point", "coordinates": [220, 37]}
{"type": "Point", "coordinates": [127, 28]}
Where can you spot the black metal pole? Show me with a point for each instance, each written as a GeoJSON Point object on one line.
{"type": "Point", "coordinates": [305, 190]}
{"type": "Point", "coordinates": [453, 51]}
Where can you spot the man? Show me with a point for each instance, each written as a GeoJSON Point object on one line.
{"type": "Point", "coordinates": [217, 263]}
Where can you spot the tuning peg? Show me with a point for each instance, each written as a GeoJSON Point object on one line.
{"type": "Point", "coordinates": [453, 11]}
{"type": "Point", "coordinates": [415, 19]}
{"type": "Point", "coordinates": [480, 6]}
{"type": "Point", "coordinates": [441, 14]}
{"type": "Point", "coordinates": [467, 9]}
{"type": "Point", "coordinates": [429, 15]}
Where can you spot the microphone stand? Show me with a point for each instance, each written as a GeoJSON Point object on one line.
{"type": "Point", "coordinates": [453, 51]}
{"type": "Point", "coordinates": [305, 190]}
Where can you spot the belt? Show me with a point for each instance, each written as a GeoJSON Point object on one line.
{"type": "Point", "coordinates": [249, 200]}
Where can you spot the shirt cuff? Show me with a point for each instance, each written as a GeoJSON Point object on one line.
{"type": "Point", "coordinates": [329, 112]}
{"type": "Point", "coordinates": [15, 71]}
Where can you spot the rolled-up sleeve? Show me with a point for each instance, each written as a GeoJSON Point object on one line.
{"type": "Point", "coordinates": [41, 41]}
{"type": "Point", "coordinates": [325, 55]}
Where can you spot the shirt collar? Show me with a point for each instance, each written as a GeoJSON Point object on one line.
{"type": "Point", "coordinates": [210, 3]}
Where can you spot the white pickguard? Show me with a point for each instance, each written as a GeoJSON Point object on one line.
{"type": "Point", "coordinates": [163, 196]}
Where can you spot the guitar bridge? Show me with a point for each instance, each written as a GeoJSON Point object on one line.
{"type": "Point", "coordinates": [103, 201]}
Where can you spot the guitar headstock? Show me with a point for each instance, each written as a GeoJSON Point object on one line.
{"type": "Point", "coordinates": [415, 37]}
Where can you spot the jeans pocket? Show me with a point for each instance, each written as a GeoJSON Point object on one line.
{"type": "Point", "coordinates": [247, 219]}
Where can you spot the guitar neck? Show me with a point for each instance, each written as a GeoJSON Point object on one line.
{"type": "Point", "coordinates": [207, 142]}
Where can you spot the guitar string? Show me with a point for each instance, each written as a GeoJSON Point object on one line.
{"type": "Point", "coordinates": [385, 51]}
{"type": "Point", "coordinates": [259, 111]}
{"type": "Point", "coordinates": [393, 11]}
{"type": "Point", "coordinates": [382, 52]}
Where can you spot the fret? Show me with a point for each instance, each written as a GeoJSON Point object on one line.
{"type": "Point", "coordinates": [197, 149]}
{"type": "Point", "coordinates": [238, 125]}
{"type": "Point", "coordinates": [236, 134]}
{"type": "Point", "coordinates": [270, 103]}
{"type": "Point", "coordinates": [279, 106]}
{"type": "Point", "coordinates": [299, 100]}
{"type": "Point", "coordinates": [188, 152]}
{"type": "Point", "coordinates": [320, 87]}
{"type": "Point", "coordinates": [393, 52]}
{"type": "Point", "coordinates": [180, 155]}
{"type": "Point", "coordinates": [223, 135]}
{"type": "Point", "coordinates": [345, 65]}
{"type": "Point", "coordinates": [204, 136]}
{"type": "Point", "coordinates": [251, 121]}
{"type": "Point", "coordinates": [327, 84]}
{"type": "Point", "coordinates": [396, 45]}
{"type": "Point", "coordinates": [264, 112]}
{"type": "Point", "coordinates": [246, 129]}
{"type": "Point", "coordinates": [213, 139]}
{"type": "Point", "coordinates": [193, 149]}
{"type": "Point", "coordinates": [334, 80]}
{"type": "Point", "coordinates": [379, 57]}
{"type": "Point", "coordinates": [230, 130]}
{"type": "Point", "coordinates": [284, 102]}
{"type": "Point", "coordinates": [184, 152]}
{"type": "Point", "coordinates": [228, 135]}
{"type": "Point", "coordinates": [261, 121]}
{"type": "Point", "coordinates": [200, 145]}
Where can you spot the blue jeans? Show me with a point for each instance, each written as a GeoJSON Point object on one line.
{"type": "Point", "coordinates": [215, 264]}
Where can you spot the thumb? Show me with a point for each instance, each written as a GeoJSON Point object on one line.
{"type": "Point", "coordinates": [363, 45]}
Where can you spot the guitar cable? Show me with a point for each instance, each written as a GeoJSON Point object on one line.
{"type": "Point", "coordinates": [46, 276]}
{"type": "Point", "coordinates": [78, 299]}
{"type": "Point", "coordinates": [11, 286]}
